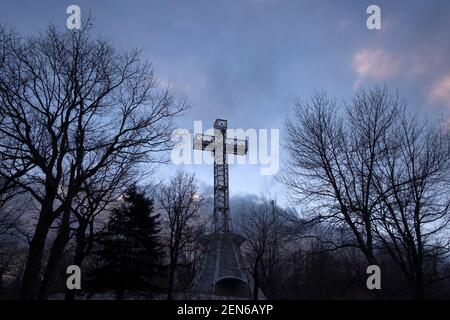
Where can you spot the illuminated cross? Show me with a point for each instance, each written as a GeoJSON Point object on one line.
{"type": "Point", "coordinates": [220, 145]}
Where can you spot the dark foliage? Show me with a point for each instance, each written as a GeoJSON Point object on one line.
{"type": "Point", "coordinates": [130, 251]}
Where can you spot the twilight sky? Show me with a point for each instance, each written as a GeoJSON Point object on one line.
{"type": "Point", "coordinates": [248, 60]}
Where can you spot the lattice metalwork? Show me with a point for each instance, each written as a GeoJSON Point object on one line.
{"type": "Point", "coordinates": [220, 145]}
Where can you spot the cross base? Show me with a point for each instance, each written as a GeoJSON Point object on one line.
{"type": "Point", "coordinates": [223, 269]}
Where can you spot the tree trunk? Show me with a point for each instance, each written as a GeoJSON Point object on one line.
{"type": "Point", "coordinates": [79, 256]}
{"type": "Point", "coordinates": [171, 281]}
{"type": "Point", "coordinates": [255, 287]}
{"type": "Point", "coordinates": [255, 280]}
{"type": "Point", "coordinates": [419, 293]}
{"type": "Point", "coordinates": [55, 255]}
{"type": "Point", "coordinates": [172, 268]}
{"type": "Point", "coordinates": [30, 280]}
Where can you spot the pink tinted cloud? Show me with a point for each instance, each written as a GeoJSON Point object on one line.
{"type": "Point", "coordinates": [374, 63]}
{"type": "Point", "coordinates": [440, 91]}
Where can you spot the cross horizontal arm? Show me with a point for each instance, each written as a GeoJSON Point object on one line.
{"type": "Point", "coordinates": [236, 146]}
{"type": "Point", "coordinates": [232, 145]}
{"type": "Point", "coordinates": [201, 141]}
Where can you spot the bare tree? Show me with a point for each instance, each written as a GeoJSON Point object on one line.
{"type": "Point", "coordinates": [260, 224]}
{"type": "Point", "coordinates": [181, 202]}
{"type": "Point", "coordinates": [375, 172]}
{"type": "Point", "coordinates": [70, 106]}
{"type": "Point", "coordinates": [332, 158]}
{"type": "Point", "coordinates": [412, 181]}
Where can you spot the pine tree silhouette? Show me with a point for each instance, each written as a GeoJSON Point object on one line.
{"type": "Point", "coordinates": [129, 250]}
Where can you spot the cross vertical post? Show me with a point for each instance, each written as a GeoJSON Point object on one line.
{"type": "Point", "coordinates": [221, 191]}
{"type": "Point", "coordinates": [221, 146]}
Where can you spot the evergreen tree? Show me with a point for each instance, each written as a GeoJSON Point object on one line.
{"type": "Point", "coordinates": [129, 250]}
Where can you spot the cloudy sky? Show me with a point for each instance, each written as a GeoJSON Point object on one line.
{"type": "Point", "coordinates": [248, 60]}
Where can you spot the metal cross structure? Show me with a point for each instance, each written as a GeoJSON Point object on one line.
{"type": "Point", "coordinates": [222, 271]}
{"type": "Point", "coordinates": [221, 146]}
